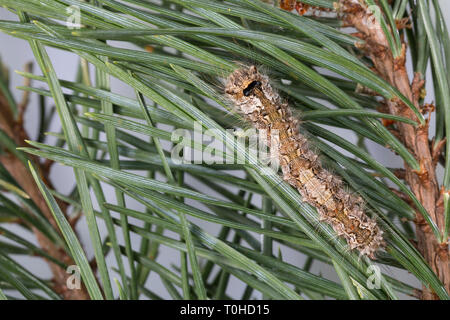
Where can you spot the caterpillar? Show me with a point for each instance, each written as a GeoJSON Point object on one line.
{"type": "Point", "coordinates": [253, 96]}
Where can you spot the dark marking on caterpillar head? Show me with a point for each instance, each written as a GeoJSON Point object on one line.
{"type": "Point", "coordinates": [254, 84]}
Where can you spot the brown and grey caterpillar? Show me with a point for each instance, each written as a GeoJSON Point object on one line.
{"type": "Point", "coordinates": [253, 96]}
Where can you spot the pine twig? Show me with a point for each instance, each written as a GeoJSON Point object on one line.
{"type": "Point", "coordinates": [424, 182]}
{"type": "Point", "coordinates": [18, 170]}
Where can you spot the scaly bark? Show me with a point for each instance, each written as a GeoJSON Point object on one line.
{"type": "Point", "coordinates": [423, 183]}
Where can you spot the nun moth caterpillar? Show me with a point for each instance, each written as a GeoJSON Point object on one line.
{"type": "Point", "coordinates": [253, 96]}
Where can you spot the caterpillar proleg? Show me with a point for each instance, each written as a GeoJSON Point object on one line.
{"type": "Point", "coordinates": [253, 96]}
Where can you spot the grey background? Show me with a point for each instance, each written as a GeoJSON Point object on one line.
{"type": "Point", "coordinates": [15, 53]}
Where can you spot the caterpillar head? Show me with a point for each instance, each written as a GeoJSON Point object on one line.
{"type": "Point", "coordinates": [241, 85]}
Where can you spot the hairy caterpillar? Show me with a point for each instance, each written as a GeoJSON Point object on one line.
{"type": "Point", "coordinates": [253, 96]}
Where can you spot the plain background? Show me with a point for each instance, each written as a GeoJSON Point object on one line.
{"type": "Point", "coordinates": [16, 52]}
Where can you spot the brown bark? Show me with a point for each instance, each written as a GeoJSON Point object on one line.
{"type": "Point", "coordinates": [18, 170]}
{"type": "Point", "coordinates": [423, 183]}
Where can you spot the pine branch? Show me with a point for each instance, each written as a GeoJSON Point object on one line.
{"type": "Point", "coordinates": [16, 167]}
{"type": "Point", "coordinates": [424, 182]}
